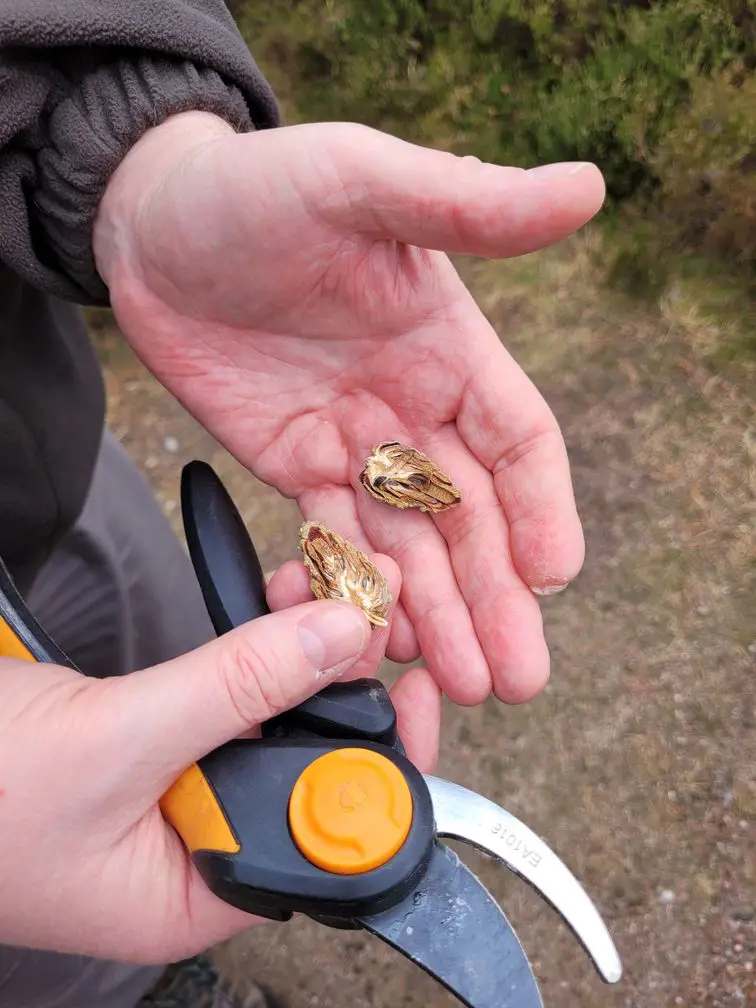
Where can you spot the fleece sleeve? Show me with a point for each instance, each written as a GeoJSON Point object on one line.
{"type": "Point", "coordinates": [80, 82]}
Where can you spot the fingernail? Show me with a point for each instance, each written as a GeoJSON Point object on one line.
{"type": "Point", "coordinates": [551, 589]}
{"type": "Point", "coordinates": [332, 637]}
{"type": "Point", "coordinates": [559, 168]}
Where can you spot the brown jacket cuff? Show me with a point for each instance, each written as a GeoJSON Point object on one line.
{"type": "Point", "coordinates": [87, 135]}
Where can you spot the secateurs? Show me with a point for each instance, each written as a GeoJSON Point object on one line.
{"type": "Point", "coordinates": [324, 815]}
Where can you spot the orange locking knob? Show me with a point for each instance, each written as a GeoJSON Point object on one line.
{"type": "Point", "coordinates": [350, 811]}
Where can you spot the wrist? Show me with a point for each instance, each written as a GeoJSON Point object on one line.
{"type": "Point", "coordinates": [158, 153]}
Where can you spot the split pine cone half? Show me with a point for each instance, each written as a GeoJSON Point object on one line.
{"type": "Point", "coordinates": [338, 570]}
{"type": "Point", "coordinates": [404, 477]}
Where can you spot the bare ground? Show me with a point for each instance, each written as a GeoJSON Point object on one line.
{"type": "Point", "coordinates": [637, 764]}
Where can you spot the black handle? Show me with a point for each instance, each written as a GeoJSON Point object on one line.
{"type": "Point", "coordinates": [225, 560]}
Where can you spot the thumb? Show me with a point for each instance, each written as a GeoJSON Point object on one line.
{"type": "Point", "coordinates": [188, 706]}
{"type": "Point", "coordinates": [437, 200]}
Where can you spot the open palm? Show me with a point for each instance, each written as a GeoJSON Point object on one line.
{"type": "Point", "coordinates": [291, 289]}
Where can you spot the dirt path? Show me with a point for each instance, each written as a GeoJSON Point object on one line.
{"type": "Point", "coordinates": [637, 765]}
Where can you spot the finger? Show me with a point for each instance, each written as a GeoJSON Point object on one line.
{"type": "Point", "coordinates": [417, 700]}
{"type": "Point", "coordinates": [433, 601]}
{"type": "Point", "coordinates": [505, 613]}
{"type": "Point", "coordinates": [508, 426]}
{"type": "Point", "coordinates": [437, 200]}
{"type": "Point", "coordinates": [402, 646]}
{"type": "Point", "coordinates": [430, 592]}
{"type": "Point", "coordinates": [291, 586]}
{"type": "Point", "coordinates": [187, 707]}
{"type": "Point", "coordinates": [337, 509]}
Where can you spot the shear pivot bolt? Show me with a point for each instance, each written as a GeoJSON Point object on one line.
{"type": "Point", "coordinates": [350, 811]}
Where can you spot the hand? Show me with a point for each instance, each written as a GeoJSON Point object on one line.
{"type": "Point", "coordinates": [87, 863]}
{"type": "Point", "coordinates": [284, 286]}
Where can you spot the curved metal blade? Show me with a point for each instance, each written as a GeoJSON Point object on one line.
{"type": "Point", "coordinates": [453, 928]}
{"type": "Point", "coordinates": [464, 815]}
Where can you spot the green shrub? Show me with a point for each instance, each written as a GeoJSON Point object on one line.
{"type": "Point", "coordinates": [707, 167]}
{"type": "Point", "coordinates": [659, 93]}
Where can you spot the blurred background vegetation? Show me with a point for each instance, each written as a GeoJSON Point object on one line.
{"type": "Point", "coordinates": [661, 94]}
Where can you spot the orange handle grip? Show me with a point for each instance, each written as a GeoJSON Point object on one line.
{"type": "Point", "coordinates": [11, 645]}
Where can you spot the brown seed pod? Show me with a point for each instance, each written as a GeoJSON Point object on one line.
{"type": "Point", "coordinates": [403, 477]}
{"type": "Point", "coordinates": [340, 571]}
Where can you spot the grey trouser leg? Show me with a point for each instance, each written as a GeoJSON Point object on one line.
{"type": "Point", "coordinates": [119, 595]}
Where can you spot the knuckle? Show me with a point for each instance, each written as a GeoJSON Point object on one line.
{"type": "Point", "coordinates": [410, 543]}
{"type": "Point", "coordinates": [546, 439]}
{"type": "Point", "coordinates": [252, 681]}
{"type": "Point", "coordinates": [468, 523]}
{"type": "Point", "coordinates": [466, 161]}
